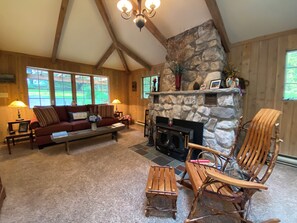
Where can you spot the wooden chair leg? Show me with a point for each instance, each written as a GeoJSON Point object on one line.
{"type": "Point", "coordinates": [194, 206]}
{"type": "Point", "coordinates": [181, 181]}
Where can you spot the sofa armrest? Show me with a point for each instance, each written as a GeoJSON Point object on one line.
{"type": "Point", "coordinates": [34, 123]}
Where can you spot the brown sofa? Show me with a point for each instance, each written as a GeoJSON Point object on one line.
{"type": "Point", "coordinates": [65, 122]}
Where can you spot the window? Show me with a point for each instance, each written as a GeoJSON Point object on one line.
{"type": "Point", "coordinates": [101, 90]}
{"type": "Point", "coordinates": [290, 86]}
{"type": "Point", "coordinates": [147, 83]}
{"type": "Point", "coordinates": [83, 90]}
{"type": "Point", "coordinates": [38, 87]}
{"type": "Point", "coordinates": [63, 88]}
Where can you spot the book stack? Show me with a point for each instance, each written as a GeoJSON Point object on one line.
{"type": "Point", "coordinates": [59, 134]}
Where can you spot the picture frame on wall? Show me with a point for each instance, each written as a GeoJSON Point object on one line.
{"type": "Point", "coordinates": [23, 127]}
{"type": "Point", "coordinates": [7, 78]}
{"type": "Point", "coordinates": [134, 86]}
{"type": "Point", "coordinates": [215, 84]}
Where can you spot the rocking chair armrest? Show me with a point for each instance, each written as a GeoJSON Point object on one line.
{"type": "Point", "coordinates": [208, 149]}
{"type": "Point", "coordinates": [236, 182]}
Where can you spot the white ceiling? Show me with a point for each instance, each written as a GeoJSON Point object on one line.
{"type": "Point", "coordinates": [29, 26]}
{"type": "Point", "coordinates": [247, 19]}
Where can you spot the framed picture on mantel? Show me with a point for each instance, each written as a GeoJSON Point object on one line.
{"type": "Point", "coordinates": [215, 84]}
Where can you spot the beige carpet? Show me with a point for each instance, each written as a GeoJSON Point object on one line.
{"type": "Point", "coordinates": [101, 181]}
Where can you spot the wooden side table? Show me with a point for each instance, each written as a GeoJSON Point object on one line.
{"type": "Point", "coordinates": [161, 183]}
{"type": "Point", "coordinates": [16, 134]}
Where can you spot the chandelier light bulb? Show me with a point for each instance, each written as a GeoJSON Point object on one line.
{"type": "Point", "coordinates": [124, 6]}
{"type": "Point", "coordinates": [152, 4]}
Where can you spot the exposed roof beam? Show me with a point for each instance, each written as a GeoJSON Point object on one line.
{"type": "Point", "coordinates": [63, 9]}
{"type": "Point", "coordinates": [120, 47]}
{"type": "Point", "coordinates": [133, 56]}
{"type": "Point", "coordinates": [121, 55]}
{"type": "Point", "coordinates": [105, 56]}
{"type": "Point", "coordinates": [152, 28]}
{"type": "Point", "coordinates": [218, 21]}
{"type": "Point", "coordinates": [105, 18]}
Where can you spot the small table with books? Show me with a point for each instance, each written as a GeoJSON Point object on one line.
{"type": "Point", "coordinates": [66, 137]}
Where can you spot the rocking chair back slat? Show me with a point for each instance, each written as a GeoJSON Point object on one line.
{"type": "Point", "coordinates": [254, 151]}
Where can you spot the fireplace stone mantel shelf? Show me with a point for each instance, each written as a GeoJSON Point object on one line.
{"type": "Point", "coordinates": [208, 91]}
{"type": "Point", "coordinates": [218, 109]}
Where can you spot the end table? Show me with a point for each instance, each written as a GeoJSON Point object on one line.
{"type": "Point", "coordinates": [12, 136]}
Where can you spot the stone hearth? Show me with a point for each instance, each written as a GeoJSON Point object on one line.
{"type": "Point", "coordinates": [218, 109]}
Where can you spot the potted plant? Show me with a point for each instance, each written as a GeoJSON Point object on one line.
{"type": "Point", "coordinates": [231, 74]}
{"type": "Point", "coordinates": [93, 119]}
{"type": "Point", "coordinates": [178, 70]}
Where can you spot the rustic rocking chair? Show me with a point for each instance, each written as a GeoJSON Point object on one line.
{"type": "Point", "coordinates": [260, 147]}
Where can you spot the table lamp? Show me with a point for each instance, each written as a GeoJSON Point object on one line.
{"type": "Point", "coordinates": [18, 104]}
{"type": "Point", "coordinates": [116, 102]}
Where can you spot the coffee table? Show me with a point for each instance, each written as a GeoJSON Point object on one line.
{"type": "Point", "coordinates": [82, 134]}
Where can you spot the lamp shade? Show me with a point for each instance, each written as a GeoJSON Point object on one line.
{"type": "Point", "coordinates": [17, 104]}
{"type": "Point", "coordinates": [116, 101]}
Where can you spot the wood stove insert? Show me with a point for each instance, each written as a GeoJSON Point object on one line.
{"type": "Point", "coordinates": [173, 140]}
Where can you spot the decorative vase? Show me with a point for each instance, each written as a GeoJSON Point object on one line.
{"type": "Point", "coordinates": [177, 82]}
{"type": "Point", "coordinates": [232, 82]}
{"type": "Point", "coordinates": [94, 126]}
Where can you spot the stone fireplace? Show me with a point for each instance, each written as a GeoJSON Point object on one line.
{"type": "Point", "coordinates": [200, 52]}
{"type": "Point", "coordinates": [218, 109]}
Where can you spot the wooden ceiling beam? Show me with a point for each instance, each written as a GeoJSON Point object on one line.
{"type": "Point", "coordinates": [63, 10]}
{"type": "Point", "coordinates": [105, 56]}
{"type": "Point", "coordinates": [106, 20]}
{"type": "Point", "coordinates": [109, 28]}
{"type": "Point", "coordinates": [152, 28]}
{"type": "Point", "coordinates": [218, 21]}
{"type": "Point", "coordinates": [121, 55]}
{"type": "Point", "coordinates": [133, 56]}
{"type": "Point", "coordinates": [119, 46]}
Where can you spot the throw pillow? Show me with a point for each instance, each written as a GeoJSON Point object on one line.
{"type": "Point", "coordinates": [46, 115]}
{"type": "Point", "coordinates": [74, 116]}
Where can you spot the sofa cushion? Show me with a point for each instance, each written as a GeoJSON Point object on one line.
{"type": "Point", "coordinates": [62, 113]}
{"type": "Point", "coordinates": [106, 111]}
{"type": "Point", "coordinates": [80, 125]}
{"type": "Point", "coordinates": [46, 115]}
{"type": "Point", "coordinates": [74, 116]}
{"type": "Point", "coordinates": [48, 130]}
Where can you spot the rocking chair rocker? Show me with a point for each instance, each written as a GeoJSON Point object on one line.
{"type": "Point", "coordinates": [260, 147]}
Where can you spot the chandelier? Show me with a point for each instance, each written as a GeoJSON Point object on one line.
{"type": "Point", "coordinates": [125, 6]}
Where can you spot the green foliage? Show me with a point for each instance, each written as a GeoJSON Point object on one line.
{"type": "Point", "coordinates": [290, 86]}
{"type": "Point", "coordinates": [177, 68]}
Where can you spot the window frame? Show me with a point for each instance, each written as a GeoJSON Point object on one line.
{"type": "Point", "coordinates": [39, 88]}
{"type": "Point", "coordinates": [286, 74]}
{"type": "Point", "coordinates": [55, 87]}
{"type": "Point", "coordinates": [108, 89]}
{"type": "Point", "coordinates": [144, 94]}
{"type": "Point", "coordinates": [51, 83]}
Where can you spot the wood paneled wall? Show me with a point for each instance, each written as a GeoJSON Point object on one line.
{"type": "Point", "coordinates": [261, 61]}
{"type": "Point", "coordinates": [16, 63]}
{"type": "Point", "coordinates": [137, 104]}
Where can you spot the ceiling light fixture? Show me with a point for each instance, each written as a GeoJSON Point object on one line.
{"type": "Point", "coordinates": [125, 6]}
